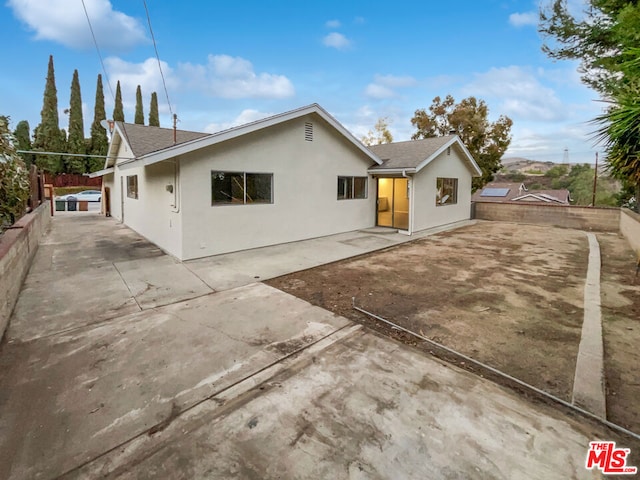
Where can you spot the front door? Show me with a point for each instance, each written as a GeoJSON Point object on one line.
{"type": "Point", "coordinates": [393, 203]}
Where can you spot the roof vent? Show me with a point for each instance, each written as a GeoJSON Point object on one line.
{"type": "Point", "coordinates": [308, 131]}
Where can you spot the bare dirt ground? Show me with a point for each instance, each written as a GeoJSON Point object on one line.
{"type": "Point", "coordinates": [507, 295]}
{"type": "Point", "coordinates": [620, 297]}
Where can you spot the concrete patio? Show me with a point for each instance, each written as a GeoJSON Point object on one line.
{"type": "Point", "coordinates": [121, 362]}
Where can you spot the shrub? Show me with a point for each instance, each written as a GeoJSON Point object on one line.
{"type": "Point", "coordinates": [14, 178]}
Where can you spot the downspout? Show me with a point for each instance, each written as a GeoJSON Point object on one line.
{"type": "Point", "coordinates": [176, 187]}
{"type": "Point", "coordinates": [410, 184]}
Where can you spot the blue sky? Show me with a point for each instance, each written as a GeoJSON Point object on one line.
{"type": "Point", "coordinates": [228, 63]}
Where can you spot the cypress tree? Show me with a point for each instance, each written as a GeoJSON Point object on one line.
{"type": "Point", "coordinates": [75, 142]}
{"type": "Point", "coordinates": [47, 133]}
{"type": "Point", "coordinates": [154, 117]}
{"type": "Point", "coordinates": [98, 144]}
{"type": "Point", "coordinates": [139, 119]}
{"type": "Point", "coordinates": [118, 109]}
{"type": "Point", "coordinates": [22, 134]}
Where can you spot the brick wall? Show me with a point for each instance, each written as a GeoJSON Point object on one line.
{"type": "Point", "coordinates": [18, 246]}
{"type": "Point", "coordinates": [583, 218]}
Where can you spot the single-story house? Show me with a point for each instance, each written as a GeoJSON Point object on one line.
{"type": "Point", "coordinates": [289, 177]}
{"type": "Point", "coordinates": [505, 192]}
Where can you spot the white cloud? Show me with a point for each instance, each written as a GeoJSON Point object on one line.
{"type": "Point", "coordinates": [393, 81]}
{"type": "Point", "coordinates": [523, 19]}
{"type": "Point", "coordinates": [333, 24]}
{"type": "Point", "coordinates": [246, 116]}
{"type": "Point", "coordinates": [383, 86]}
{"type": "Point", "coordinates": [234, 77]}
{"type": "Point", "coordinates": [379, 92]}
{"type": "Point", "coordinates": [336, 40]}
{"type": "Point", "coordinates": [64, 21]}
{"type": "Point", "coordinates": [520, 93]}
{"type": "Point", "coordinates": [145, 74]}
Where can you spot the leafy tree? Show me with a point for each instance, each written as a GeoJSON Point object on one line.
{"type": "Point", "coordinates": [14, 178]}
{"type": "Point", "coordinates": [486, 141]}
{"type": "Point", "coordinates": [139, 118]}
{"type": "Point", "coordinates": [47, 133]}
{"type": "Point", "coordinates": [118, 109]}
{"type": "Point", "coordinates": [620, 127]}
{"type": "Point", "coordinates": [75, 142]}
{"type": "Point", "coordinates": [381, 134]}
{"type": "Point", "coordinates": [22, 135]}
{"type": "Point", "coordinates": [154, 117]}
{"type": "Point", "coordinates": [605, 41]}
{"type": "Point", "coordinates": [98, 143]}
{"type": "Point", "coordinates": [557, 171]}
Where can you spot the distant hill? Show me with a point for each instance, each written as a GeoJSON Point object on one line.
{"type": "Point", "coordinates": [524, 165]}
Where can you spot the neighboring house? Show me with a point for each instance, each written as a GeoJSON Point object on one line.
{"type": "Point", "coordinates": [293, 176]}
{"type": "Point", "coordinates": [500, 192]}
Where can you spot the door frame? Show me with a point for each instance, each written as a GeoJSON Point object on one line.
{"type": "Point", "coordinates": [410, 186]}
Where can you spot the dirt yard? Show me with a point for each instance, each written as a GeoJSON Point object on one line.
{"type": "Point", "coordinates": [620, 296]}
{"type": "Point", "coordinates": [507, 295]}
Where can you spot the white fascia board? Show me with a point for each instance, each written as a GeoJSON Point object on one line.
{"type": "Point", "coordinates": [391, 171]}
{"type": "Point", "coordinates": [235, 132]}
{"type": "Point", "coordinates": [101, 173]}
{"type": "Point", "coordinates": [117, 137]}
{"type": "Point", "coordinates": [476, 172]}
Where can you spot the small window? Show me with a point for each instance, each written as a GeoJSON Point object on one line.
{"type": "Point", "coordinates": [241, 188]}
{"type": "Point", "coordinates": [352, 187]}
{"type": "Point", "coordinates": [447, 191]}
{"type": "Point", "coordinates": [132, 186]}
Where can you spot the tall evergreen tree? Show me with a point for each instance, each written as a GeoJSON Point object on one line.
{"type": "Point", "coordinates": [154, 117]}
{"type": "Point", "coordinates": [139, 118]}
{"type": "Point", "coordinates": [47, 133]}
{"type": "Point", "coordinates": [118, 109]}
{"type": "Point", "coordinates": [75, 142]}
{"type": "Point", "coordinates": [22, 134]}
{"type": "Point", "coordinates": [99, 143]}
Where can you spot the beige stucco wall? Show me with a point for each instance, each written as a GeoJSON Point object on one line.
{"type": "Point", "coordinates": [424, 210]}
{"type": "Point", "coordinates": [630, 228]}
{"type": "Point", "coordinates": [304, 189]}
{"type": "Point", "coordinates": [155, 214]}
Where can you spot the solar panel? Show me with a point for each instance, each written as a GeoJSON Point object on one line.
{"type": "Point", "coordinates": [495, 192]}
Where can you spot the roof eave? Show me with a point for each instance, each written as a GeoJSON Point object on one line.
{"type": "Point", "coordinates": [101, 173]}
{"type": "Point", "coordinates": [399, 171]}
{"type": "Point", "coordinates": [235, 132]}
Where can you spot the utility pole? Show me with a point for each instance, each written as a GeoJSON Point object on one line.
{"type": "Point", "coordinates": [595, 182]}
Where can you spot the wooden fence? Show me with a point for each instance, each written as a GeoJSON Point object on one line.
{"type": "Point", "coordinates": [72, 180]}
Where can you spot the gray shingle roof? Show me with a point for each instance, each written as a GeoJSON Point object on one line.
{"type": "Point", "coordinates": [407, 154]}
{"type": "Point", "coordinates": [144, 139]}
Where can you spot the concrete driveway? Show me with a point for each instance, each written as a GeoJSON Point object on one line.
{"type": "Point", "coordinates": [121, 362]}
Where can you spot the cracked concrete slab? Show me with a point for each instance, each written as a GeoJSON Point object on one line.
{"type": "Point", "coordinates": [160, 281]}
{"type": "Point", "coordinates": [67, 398]}
{"type": "Point", "coordinates": [362, 407]}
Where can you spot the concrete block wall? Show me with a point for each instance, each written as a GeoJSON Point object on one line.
{"type": "Point", "coordinates": [630, 228]}
{"type": "Point", "coordinates": [583, 218]}
{"type": "Point", "coordinates": [18, 246]}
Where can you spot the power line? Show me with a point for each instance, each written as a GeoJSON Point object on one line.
{"type": "Point", "coordinates": [155, 46]}
{"type": "Point", "coordinates": [95, 42]}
